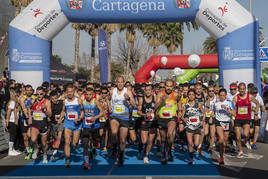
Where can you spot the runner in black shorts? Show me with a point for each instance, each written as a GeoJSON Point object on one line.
{"type": "Point", "coordinates": [193, 115]}
{"type": "Point", "coordinates": [39, 110]}
{"type": "Point", "coordinates": [146, 109]}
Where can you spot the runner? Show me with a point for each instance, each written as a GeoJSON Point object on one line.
{"type": "Point", "coordinates": [210, 119]}
{"type": "Point", "coordinates": [121, 101]}
{"type": "Point", "coordinates": [91, 125]}
{"type": "Point", "coordinates": [12, 122]}
{"type": "Point", "coordinates": [242, 103]}
{"type": "Point", "coordinates": [74, 114]}
{"type": "Point", "coordinates": [24, 102]}
{"type": "Point", "coordinates": [38, 112]}
{"type": "Point", "coordinates": [223, 110]}
{"type": "Point", "coordinates": [256, 121]}
{"type": "Point", "coordinates": [56, 121]}
{"type": "Point", "coordinates": [166, 104]}
{"type": "Point", "coordinates": [146, 109]}
{"type": "Point", "coordinates": [201, 99]}
{"type": "Point", "coordinates": [193, 115]}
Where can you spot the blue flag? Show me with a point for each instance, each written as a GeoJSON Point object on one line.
{"type": "Point", "coordinates": [103, 56]}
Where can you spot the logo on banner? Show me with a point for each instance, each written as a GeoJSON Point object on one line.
{"type": "Point", "coordinates": [214, 19]}
{"type": "Point", "coordinates": [223, 9]}
{"type": "Point", "coordinates": [238, 54]}
{"type": "Point", "coordinates": [102, 45]}
{"type": "Point", "coordinates": [76, 4]}
{"type": "Point", "coordinates": [47, 21]}
{"type": "Point", "coordinates": [183, 4]}
{"type": "Point", "coordinates": [36, 12]}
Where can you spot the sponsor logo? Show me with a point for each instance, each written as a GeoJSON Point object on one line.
{"type": "Point", "coordinates": [75, 4]}
{"type": "Point", "coordinates": [182, 4]}
{"type": "Point", "coordinates": [102, 45]}
{"type": "Point", "coordinates": [133, 7]}
{"type": "Point", "coordinates": [49, 19]}
{"type": "Point", "coordinates": [212, 18]}
{"type": "Point", "coordinates": [36, 12]}
{"type": "Point", "coordinates": [223, 9]}
{"type": "Point", "coordinates": [237, 54]}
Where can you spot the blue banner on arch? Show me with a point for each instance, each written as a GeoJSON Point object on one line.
{"type": "Point", "coordinates": [103, 56]}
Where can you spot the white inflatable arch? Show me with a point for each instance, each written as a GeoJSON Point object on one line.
{"type": "Point", "coordinates": [235, 29]}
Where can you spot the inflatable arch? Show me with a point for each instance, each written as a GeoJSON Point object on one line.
{"type": "Point", "coordinates": [172, 61]}
{"type": "Point", "coordinates": [235, 29]}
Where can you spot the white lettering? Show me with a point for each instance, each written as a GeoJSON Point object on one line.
{"type": "Point", "coordinates": [133, 6]}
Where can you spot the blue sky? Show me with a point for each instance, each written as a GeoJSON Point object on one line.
{"type": "Point", "coordinates": [63, 43]}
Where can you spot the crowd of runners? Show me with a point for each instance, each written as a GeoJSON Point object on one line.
{"type": "Point", "coordinates": [156, 118]}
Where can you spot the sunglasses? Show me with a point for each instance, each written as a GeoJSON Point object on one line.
{"type": "Point", "coordinates": [40, 94]}
{"type": "Point", "coordinates": [232, 88]}
{"type": "Point", "coordinates": [210, 90]}
{"type": "Point", "coordinates": [161, 87]}
{"type": "Point", "coordinates": [104, 93]}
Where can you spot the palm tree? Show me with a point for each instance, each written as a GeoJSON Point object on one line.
{"type": "Point", "coordinates": [109, 29]}
{"type": "Point", "coordinates": [92, 30]}
{"type": "Point", "coordinates": [131, 37]}
{"type": "Point", "coordinates": [153, 32]}
{"type": "Point", "coordinates": [210, 46]}
{"type": "Point", "coordinates": [76, 26]}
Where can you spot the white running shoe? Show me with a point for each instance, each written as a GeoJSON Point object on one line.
{"type": "Point", "coordinates": [146, 160]}
{"type": "Point", "coordinates": [13, 153]}
{"type": "Point", "coordinates": [45, 159]}
{"type": "Point", "coordinates": [248, 146]}
{"type": "Point", "coordinates": [34, 156]}
{"type": "Point", "coordinates": [240, 154]}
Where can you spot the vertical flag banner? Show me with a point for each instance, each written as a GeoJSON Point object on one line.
{"type": "Point", "coordinates": [103, 56]}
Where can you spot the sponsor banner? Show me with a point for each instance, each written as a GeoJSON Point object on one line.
{"type": "Point", "coordinates": [103, 56]}
{"type": "Point", "coordinates": [239, 75]}
{"type": "Point", "coordinates": [222, 16]}
{"type": "Point", "coordinates": [263, 54]}
{"type": "Point", "coordinates": [130, 10]}
{"type": "Point", "coordinates": [26, 77]}
{"type": "Point", "coordinates": [41, 18]}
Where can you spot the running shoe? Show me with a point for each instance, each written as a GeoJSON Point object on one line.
{"type": "Point", "coordinates": [254, 146]}
{"type": "Point", "coordinates": [139, 156]}
{"type": "Point", "coordinates": [53, 158]}
{"type": "Point", "coordinates": [163, 159]}
{"type": "Point", "coordinates": [120, 160]}
{"type": "Point", "coordinates": [200, 152]}
{"type": "Point", "coordinates": [29, 155]}
{"type": "Point", "coordinates": [34, 156]}
{"type": "Point", "coordinates": [98, 145]}
{"type": "Point", "coordinates": [248, 146]}
{"type": "Point", "coordinates": [104, 149]}
{"type": "Point", "coordinates": [191, 162]}
{"type": "Point", "coordinates": [13, 153]}
{"type": "Point", "coordinates": [86, 166]}
{"type": "Point", "coordinates": [182, 149]}
{"type": "Point", "coordinates": [170, 157]}
{"type": "Point", "coordinates": [94, 152]}
{"type": "Point", "coordinates": [240, 154]}
{"type": "Point", "coordinates": [210, 150]}
{"type": "Point", "coordinates": [221, 161]}
{"type": "Point", "coordinates": [45, 159]}
{"type": "Point", "coordinates": [113, 154]}
{"type": "Point", "coordinates": [146, 160]}
{"type": "Point", "coordinates": [67, 163]}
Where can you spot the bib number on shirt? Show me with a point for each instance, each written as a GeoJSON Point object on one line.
{"type": "Point", "coordinates": [102, 119]}
{"type": "Point", "coordinates": [225, 126]}
{"type": "Point", "coordinates": [135, 113]}
{"type": "Point", "coordinates": [38, 116]}
{"type": "Point", "coordinates": [57, 117]}
{"type": "Point", "coordinates": [89, 121]}
{"type": "Point", "coordinates": [72, 116]}
{"type": "Point", "coordinates": [119, 109]}
{"type": "Point", "coordinates": [194, 120]}
{"type": "Point", "coordinates": [208, 114]}
{"type": "Point", "coordinates": [242, 110]}
{"type": "Point", "coordinates": [150, 118]}
{"type": "Point", "coordinates": [167, 114]}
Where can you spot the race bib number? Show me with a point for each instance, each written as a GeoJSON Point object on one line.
{"type": "Point", "coordinates": [194, 120]}
{"type": "Point", "coordinates": [38, 116]}
{"type": "Point", "coordinates": [72, 115]}
{"type": "Point", "coordinates": [225, 126]}
{"type": "Point", "coordinates": [208, 114]}
{"type": "Point", "coordinates": [150, 118]}
{"type": "Point", "coordinates": [135, 113]}
{"type": "Point", "coordinates": [167, 114]}
{"type": "Point", "coordinates": [242, 110]}
{"type": "Point", "coordinates": [119, 109]}
{"type": "Point", "coordinates": [102, 119]}
{"type": "Point", "coordinates": [57, 117]}
{"type": "Point", "coordinates": [89, 121]}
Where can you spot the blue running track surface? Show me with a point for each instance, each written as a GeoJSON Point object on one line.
{"type": "Point", "coordinates": [102, 165]}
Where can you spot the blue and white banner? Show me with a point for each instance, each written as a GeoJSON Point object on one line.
{"type": "Point", "coordinates": [103, 56]}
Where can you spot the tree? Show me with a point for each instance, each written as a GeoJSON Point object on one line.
{"type": "Point", "coordinates": [210, 46]}
{"type": "Point", "coordinates": [57, 57]}
{"type": "Point", "coordinates": [109, 29]}
{"type": "Point", "coordinates": [76, 26]}
{"type": "Point", "coordinates": [131, 37]}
